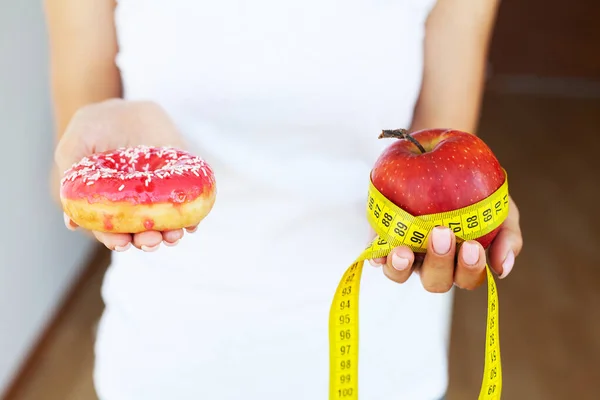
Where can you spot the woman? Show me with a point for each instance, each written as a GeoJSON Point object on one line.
{"type": "Point", "coordinates": [285, 100]}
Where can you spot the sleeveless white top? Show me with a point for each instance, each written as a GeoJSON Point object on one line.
{"type": "Point", "coordinates": [285, 99]}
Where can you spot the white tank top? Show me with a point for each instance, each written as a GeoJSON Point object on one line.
{"type": "Point", "coordinates": [285, 99]}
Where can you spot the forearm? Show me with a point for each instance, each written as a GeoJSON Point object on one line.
{"type": "Point", "coordinates": [437, 113]}
{"type": "Point", "coordinates": [456, 46]}
{"type": "Point", "coordinates": [83, 47]}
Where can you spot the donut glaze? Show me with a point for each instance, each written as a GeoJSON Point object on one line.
{"type": "Point", "coordinates": [135, 189]}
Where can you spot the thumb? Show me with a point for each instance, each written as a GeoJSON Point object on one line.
{"type": "Point", "coordinates": [508, 244]}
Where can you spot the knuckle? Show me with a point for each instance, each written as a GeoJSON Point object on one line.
{"type": "Point", "coordinates": [152, 106]}
{"type": "Point", "coordinates": [115, 101]}
{"type": "Point", "coordinates": [84, 111]}
{"type": "Point", "coordinates": [395, 277]}
{"type": "Point", "coordinates": [471, 281]}
{"type": "Point", "coordinates": [468, 285]}
{"type": "Point", "coordinates": [437, 287]}
{"type": "Point", "coordinates": [145, 107]}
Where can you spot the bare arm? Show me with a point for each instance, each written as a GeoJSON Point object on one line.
{"type": "Point", "coordinates": [83, 47]}
{"type": "Point", "coordinates": [456, 45]}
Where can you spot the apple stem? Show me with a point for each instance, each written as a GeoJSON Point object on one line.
{"type": "Point", "coordinates": [401, 134]}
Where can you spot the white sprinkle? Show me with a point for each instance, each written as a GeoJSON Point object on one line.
{"type": "Point", "coordinates": [121, 187]}
{"type": "Point", "coordinates": [90, 169]}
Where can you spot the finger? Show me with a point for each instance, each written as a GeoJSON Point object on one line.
{"type": "Point", "coordinates": [398, 265]}
{"type": "Point", "coordinates": [148, 241]}
{"type": "Point", "coordinates": [191, 229]}
{"type": "Point", "coordinates": [69, 223]}
{"type": "Point", "coordinates": [470, 266]}
{"type": "Point", "coordinates": [376, 262]}
{"type": "Point", "coordinates": [507, 245]}
{"type": "Point", "coordinates": [171, 238]}
{"type": "Point", "coordinates": [437, 271]}
{"type": "Point", "coordinates": [114, 241]}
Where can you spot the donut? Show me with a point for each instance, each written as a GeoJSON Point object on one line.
{"type": "Point", "coordinates": [137, 189]}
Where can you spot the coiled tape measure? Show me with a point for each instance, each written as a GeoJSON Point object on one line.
{"type": "Point", "coordinates": [395, 227]}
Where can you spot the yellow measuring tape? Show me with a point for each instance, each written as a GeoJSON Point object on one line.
{"type": "Point", "coordinates": [395, 227]}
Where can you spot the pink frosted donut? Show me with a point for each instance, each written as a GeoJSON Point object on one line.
{"type": "Point", "coordinates": [131, 190]}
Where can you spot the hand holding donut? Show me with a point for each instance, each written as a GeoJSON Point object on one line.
{"type": "Point", "coordinates": [126, 176]}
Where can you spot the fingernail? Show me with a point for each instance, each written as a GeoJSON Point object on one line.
{"type": "Point", "coordinates": [441, 240]}
{"type": "Point", "coordinates": [470, 253]}
{"type": "Point", "coordinates": [150, 248]}
{"type": "Point", "coordinates": [192, 230]}
{"type": "Point", "coordinates": [123, 248]}
{"type": "Point", "coordinates": [171, 244]}
{"type": "Point", "coordinates": [68, 223]}
{"type": "Point", "coordinates": [507, 265]}
{"type": "Point", "coordinates": [399, 263]}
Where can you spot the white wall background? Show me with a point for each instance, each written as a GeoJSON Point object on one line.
{"type": "Point", "coordinates": [39, 257]}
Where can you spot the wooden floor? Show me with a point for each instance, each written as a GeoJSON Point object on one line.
{"type": "Point", "coordinates": [550, 305]}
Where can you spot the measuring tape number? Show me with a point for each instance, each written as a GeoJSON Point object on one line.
{"type": "Point", "coordinates": [395, 227]}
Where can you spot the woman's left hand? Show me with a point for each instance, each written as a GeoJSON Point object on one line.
{"type": "Point", "coordinates": [440, 269]}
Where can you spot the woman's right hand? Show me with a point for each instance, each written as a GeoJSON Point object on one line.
{"type": "Point", "coordinates": [109, 125]}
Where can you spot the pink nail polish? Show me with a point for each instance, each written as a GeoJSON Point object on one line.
{"type": "Point", "coordinates": [68, 223]}
{"type": "Point", "coordinates": [507, 265]}
{"type": "Point", "coordinates": [150, 249]}
{"type": "Point", "coordinates": [441, 240]}
{"type": "Point", "coordinates": [470, 253]}
{"type": "Point", "coordinates": [123, 248]}
{"type": "Point", "coordinates": [399, 263]}
{"type": "Point", "coordinates": [374, 264]}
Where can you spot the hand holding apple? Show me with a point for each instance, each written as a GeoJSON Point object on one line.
{"type": "Point", "coordinates": [437, 170]}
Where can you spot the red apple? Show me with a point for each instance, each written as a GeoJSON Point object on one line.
{"type": "Point", "coordinates": [437, 170]}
